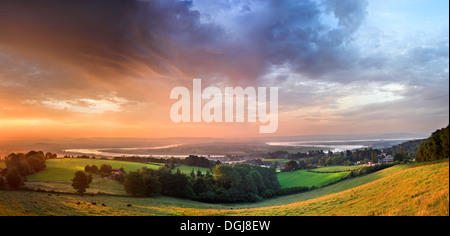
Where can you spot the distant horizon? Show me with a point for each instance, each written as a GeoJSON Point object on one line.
{"type": "Point", "coordinates": [362, 135]}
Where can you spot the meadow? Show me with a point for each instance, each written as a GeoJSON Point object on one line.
{"type": "Point", "coordinates": [64, 169]}
{"type": "Point", "coordinates": [306, 178]}
{"type": "Point", "coordinates": [335, 169]}
{"type": "Point", "coordinates": [58, 175]}
{"type": "Point", "coordinates": [400, 190]}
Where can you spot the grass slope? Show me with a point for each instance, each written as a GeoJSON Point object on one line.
{"type": "Point", "coordinates": [304, 178]}
{"type": "Point", "coordinates": [331, 169]}
{"type": "Point", "coordinates": [400, 190]}
{"type": "Point", "coordinates": [418, 191]}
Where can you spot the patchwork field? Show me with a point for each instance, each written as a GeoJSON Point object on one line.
{"type": "Point", "coordinates": [399, 190]}
{"type": "Point", "coordinates": [59, 172]}
{"type": "Point", "coordinates": [64, 169]}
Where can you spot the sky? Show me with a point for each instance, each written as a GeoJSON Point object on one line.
{"type": "Point", "coordinates": [105, 68]}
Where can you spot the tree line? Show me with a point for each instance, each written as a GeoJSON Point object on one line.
{"type": "Point", "coordinates": [20, 165]}
{"type": "Point", "coordinates": [436, 147]}
{"type": "Point", "coordinates": [226, 183]}
{"type": "Point", "coordinates": [191, 160]}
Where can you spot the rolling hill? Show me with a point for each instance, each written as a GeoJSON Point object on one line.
{"type": "Point", "coordinates": [399, 190]}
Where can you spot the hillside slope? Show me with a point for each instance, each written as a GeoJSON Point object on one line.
{"type": "Point", "coordinates": [417, 191]}
{"type": "Point", "coordinates": [400, 190]}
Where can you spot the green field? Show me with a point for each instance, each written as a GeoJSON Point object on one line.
{"type": "Point", "coordinates": [305, 178]}
{"type": "Point", "coordinates": [277, 160]}
{"type": "Point", "coordinates": [330, 169]}
{"type": "Point", "coordinates": [64, 169]}
{"type": "Point", "coordinates": [400, 190]}
{"type": "Point", "coordinates": [58, 174]}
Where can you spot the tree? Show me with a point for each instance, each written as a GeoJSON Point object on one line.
{"type": "Point", "coordinates": [258, 180]}
{"type": "Point", "coordinates": [175, 185]}
{"type": "Point", "coordinates": [435, 147]}
{"type": "Point", "coordinates": [199, 186]}
{"type": "Point", "coordinates": [13, 178]}
{"type": "Point", "coordinates": [399, 157]}
{"type": "Point", "coordinates": [302, 164]}
{"type": "Point", "coordinates": [199, 173]}
{"type": "Point", "coordinates": [81, 181]}
{"type": "Point", "coordinates": [134, 184]}
{"type": "Point", "coordinates": [106, 169]}
{"type": "Point", "coordinates": [152, 186]}
{"type": "Point", "coordinates": [249, 185]}
{"type": "Point", "coordinates": [226, 176]}
{"type": "Point", "coordinates": [2, 183]}
{"type": "Point", "coordinates": [291, 166]}
{"type": "Point", "coordinates": [374, 157]}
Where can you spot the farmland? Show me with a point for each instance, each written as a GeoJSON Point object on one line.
{"type": "Point", "coordinates": [399, 190]}
{"type": "Point", "coordinates": [59, 173]}
{"type": "Point", "coordinates": [64, 169]}
{"type": "Point", "coordinates": [335, 169]}
{"type": "Point", "coordinates": [305, 178]}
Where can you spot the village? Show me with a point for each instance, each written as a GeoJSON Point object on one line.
{"type": "Point", "coordinates": [382, 158]}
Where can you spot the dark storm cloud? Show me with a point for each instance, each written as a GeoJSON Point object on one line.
{"type": "Point", "coordinates": [293, 34]}
{"type": "Point", "coordinates": [159, 35]}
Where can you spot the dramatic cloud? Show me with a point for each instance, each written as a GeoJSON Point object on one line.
{"type": "Point", "coordinates": [335, 61]}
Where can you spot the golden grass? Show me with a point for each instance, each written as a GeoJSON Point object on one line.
{"type": "Point", "coordinates": [414, 191]}
{"type": "Point", "coordinates": [419, 191]}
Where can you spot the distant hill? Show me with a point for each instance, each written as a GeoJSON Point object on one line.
{"type": "Point", "coordinates": [408, 147]}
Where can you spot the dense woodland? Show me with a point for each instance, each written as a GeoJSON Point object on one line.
{"type": "Point", "coordinates": [227, 184]}
{"type": "Point", "coordinates": [435, 147]}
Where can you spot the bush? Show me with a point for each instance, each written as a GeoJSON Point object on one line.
{"type": "Point", "coordinates": [293, 190]}
{"type": "Point", "coordinates": [370, 169]}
